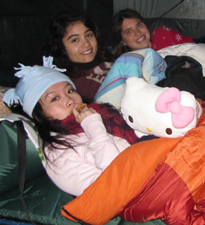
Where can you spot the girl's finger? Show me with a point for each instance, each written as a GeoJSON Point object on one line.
{"type": "Point", "coordinates": [75, 112]}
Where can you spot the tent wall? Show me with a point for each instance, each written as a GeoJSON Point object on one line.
{"type": "Point", "coordinates": [188, 17]}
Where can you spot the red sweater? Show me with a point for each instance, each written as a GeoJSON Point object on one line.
{"type": "Point", "coordinates": [89, 81]}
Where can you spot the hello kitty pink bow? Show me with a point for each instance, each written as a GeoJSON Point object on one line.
{"type": "Point", "coordinates": [169, 101]}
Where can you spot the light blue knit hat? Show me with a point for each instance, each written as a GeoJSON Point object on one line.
{"type": "Point", "coordinates": [33, 83]}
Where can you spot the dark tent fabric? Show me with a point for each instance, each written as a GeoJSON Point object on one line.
{"type": "Point", "coordinates": [185, 16]}
{"type": "Point", "coordinates": [23, 24]}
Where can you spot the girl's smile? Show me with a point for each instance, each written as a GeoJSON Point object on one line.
{"type": "Point", "coordinates": [135, 34]}
{"type": "Point", "coordinates": [80, 43]}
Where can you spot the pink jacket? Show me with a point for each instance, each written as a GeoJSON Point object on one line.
{"type": "Point", "coordinates": [73, 170]}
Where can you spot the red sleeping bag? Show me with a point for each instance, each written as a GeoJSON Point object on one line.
{"type": "Point", "coordinates": [161, 178]}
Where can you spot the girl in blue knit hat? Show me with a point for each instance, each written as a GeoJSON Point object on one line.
{"type": "Point", "coordinates": [78, 145]}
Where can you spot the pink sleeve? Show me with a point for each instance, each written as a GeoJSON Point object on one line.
{"type": "Point", "coordinates": [102, 146]}
{"type": "Point", "coordinates": [74, 170]}
{"type": "Point", "coordinates": [164, 36]}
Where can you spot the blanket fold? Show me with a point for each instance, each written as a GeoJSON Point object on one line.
{"type": "Point", "coordinates": [143, 63]}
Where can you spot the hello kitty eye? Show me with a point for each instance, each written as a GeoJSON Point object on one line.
{"type": "Point", "coordinates": [169, 131]}
{"type": "Point", "coordinates": [130, 119]}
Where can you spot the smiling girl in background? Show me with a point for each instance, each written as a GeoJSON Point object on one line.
{"type": "Point", "coordinates": [73, 40]}
{"type": "Point", "coordinates": [131, 33]}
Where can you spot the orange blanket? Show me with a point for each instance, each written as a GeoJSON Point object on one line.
{"type": "Point", "coordinates": [161, 178]}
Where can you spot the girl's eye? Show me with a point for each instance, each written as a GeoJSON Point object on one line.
{"type": "Point", "coordinates": [75, 40]}
{"type": "Point", "coordinates": [54, 99]}
{"type": "Point", "coordinates": [71, 90]}
{"type": "Point", "coordinates": [128, 31]}
{"type": "Point", "coordinates": [140, 24]}
{"type": "Point", "coordinates": [90, 34]}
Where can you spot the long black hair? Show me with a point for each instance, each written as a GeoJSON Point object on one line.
{"type": "Point", "coordinates": [49, 136]}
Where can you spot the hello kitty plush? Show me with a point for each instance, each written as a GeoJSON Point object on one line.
{"type": "Point", "coordinates": [153, 110]}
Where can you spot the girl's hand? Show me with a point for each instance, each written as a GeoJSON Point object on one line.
{"type": "Point", "coordinates": [80, 116]}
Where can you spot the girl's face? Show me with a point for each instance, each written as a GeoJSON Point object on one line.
{"type": "Point", "coordinates": [80, 43]}
{"type": "Point", "coordinates": [59, 100]}
{"type": "Point", "coordinates": [135, 34]}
